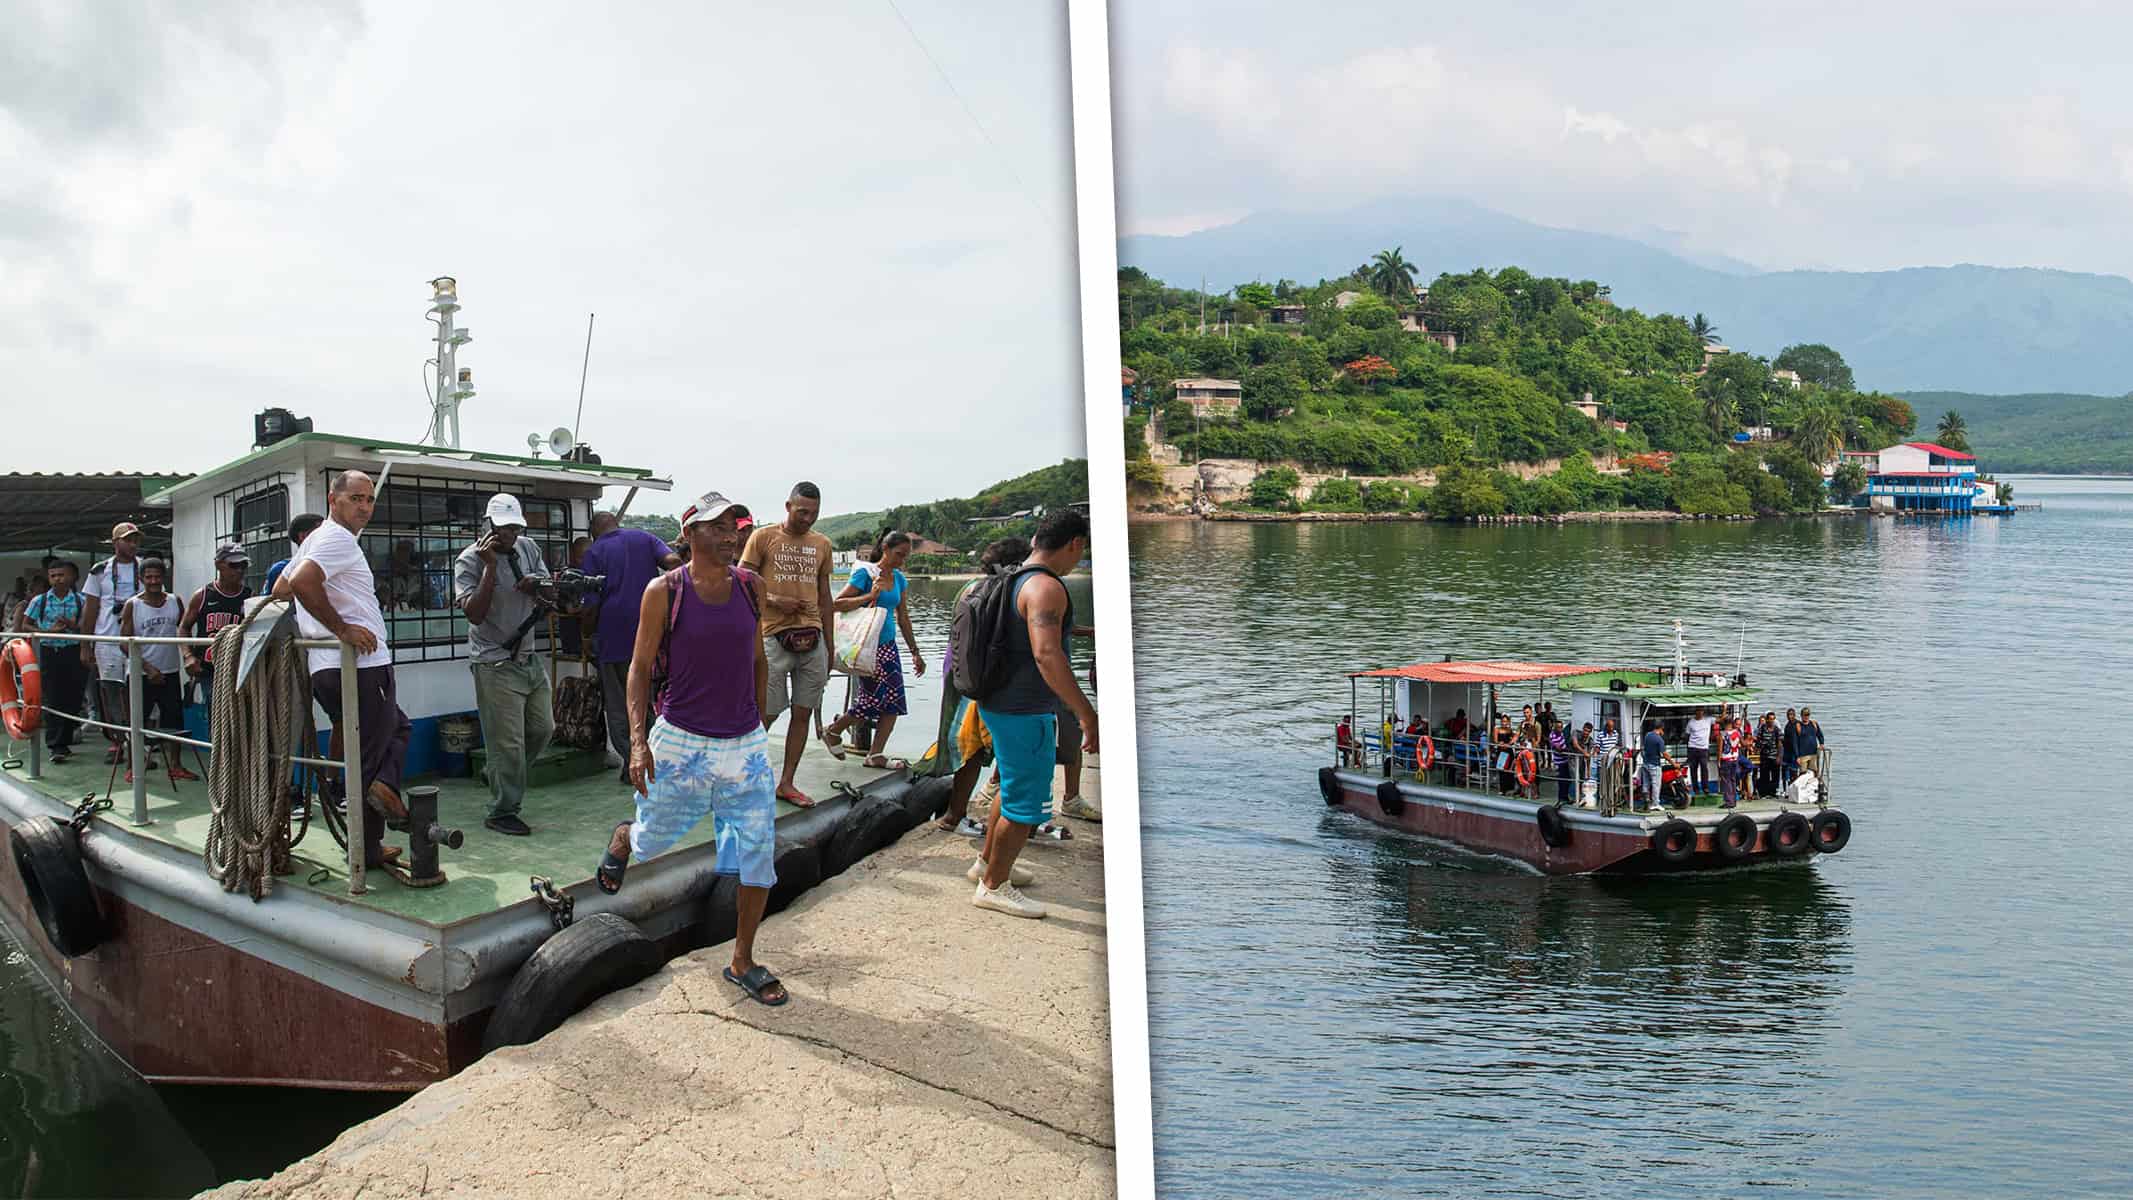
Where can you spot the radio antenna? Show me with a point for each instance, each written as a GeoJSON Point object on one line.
{"type": "Point", "coordinates": [577, 425]}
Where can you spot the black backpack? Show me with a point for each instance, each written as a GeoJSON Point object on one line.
{"type": "Point", "coordinates": [978, 635]}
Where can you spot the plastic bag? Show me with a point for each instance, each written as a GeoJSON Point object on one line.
{"type": "Point", "coordinates": [859, 640]}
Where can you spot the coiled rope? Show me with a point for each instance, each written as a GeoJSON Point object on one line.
{"type": "Point", "coordinates": [255, 729]}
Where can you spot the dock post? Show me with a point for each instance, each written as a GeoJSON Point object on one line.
{"type": "Point", "coordinates": [352, 770]}
{"type": "Point", "coordinates": [37, 757]}
{"type": "Point", "coordinates": [136, 744]}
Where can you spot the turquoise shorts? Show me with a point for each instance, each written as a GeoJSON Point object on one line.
{"type": "Point", "coordinates": [1025, 745]}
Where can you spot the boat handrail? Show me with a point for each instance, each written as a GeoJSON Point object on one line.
{"type": "Point", "coordinates": [350, 764]}
{"type": "Point", "coordinates": [1480, 754]}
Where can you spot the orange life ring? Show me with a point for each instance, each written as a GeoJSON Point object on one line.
{"type": "Point", "coordinates": [1523, 768]}
{"type": "Point", "coordinates": [22, 706]}
{"type": "Point", "coordinates": [1425, 753]}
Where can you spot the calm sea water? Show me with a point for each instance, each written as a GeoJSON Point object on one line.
{"type": "Point", "coordinates": [1940, 1010]}
{"type": "Point", "coordinates": [76, 1121]}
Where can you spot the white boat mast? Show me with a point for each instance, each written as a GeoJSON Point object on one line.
{"type": "Point", "coordinates": [454, 384]}
{"type": "Point", "coordinates": [1681, 656]}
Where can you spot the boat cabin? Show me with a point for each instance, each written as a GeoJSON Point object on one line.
{"type": "Point", "coordinates": [430, 507]}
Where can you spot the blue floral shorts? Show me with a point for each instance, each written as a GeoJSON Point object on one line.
{"type": "Point", "coordinates": [730, 780]}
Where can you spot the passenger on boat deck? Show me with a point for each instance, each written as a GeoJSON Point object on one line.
{"type": "Point", "coordinates": [154, 613]}
{"type": "Point", "coordinates": [1790, 741]}
{"type": "Point", "coordinates": [1344, 743]}
{"type": "Point", "coordinates": [1607, 742]}
{"type": "Point", "coordinates": [1457, 728]}
{"type": "Point", "coordinates": [1559, 746]}
{"type": "Point", "coordinates": [1651, 769]}
{"type": "Point", "coordinates": [1730, 761]}
{"type": "Point", "coordinates": [1547, 717]}
{"type": "Point", "coordinates": [629, 560]}
{"type": "Point", "coordinates": [1769, 740]}
{"type": "Point", "coordinates": [1700, 727]}
{"type": "Point", "coordinates": [1583, 747]}
{"type": "Point", "coordinates": [1528, 728]}
{"type": "Point", "coordinates": [1811, 742]}
{"type": "Point", "coordinates": [301, 526]}
{"type": "Point", "coordinates": [512, 693]}
{"type": "Point", "coordinates": [337, 598]}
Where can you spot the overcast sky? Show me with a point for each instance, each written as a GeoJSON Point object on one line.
{"type": "Point", "coordinates": [1814, 133]}
{"type": "Point", "coordinates": [809, 257]}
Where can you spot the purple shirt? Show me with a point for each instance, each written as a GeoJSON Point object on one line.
{"type": "Point", "coordinates": [711, 666]}
{"type": "Point", "coordinates": [630, 560]}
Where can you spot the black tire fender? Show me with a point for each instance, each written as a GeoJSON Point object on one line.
{"type": "Point", "coordinates": [1329, 786]}
{"type": "Point", "coordinates": [1674, 841]}
{"type": "Point", "coordinates": [1735, 837]}
{"type": "Point", "coordinates": [1390, 801]}
{"type": "Point", "coordinates": [928, 798]}
{"type": "Point", "coordinates": [48, 858]}
{"type": "Point", "coordinates": [1554, 829]}
{"type": "Point", "coordinates": [799, 867]}
{"type": "Point", "coordinates": [1831, 830]}
{"type": "Point", "coordinates": [869, 825]}
{"type": "Point", "coordinates": [1789, 835]}
{"type": "Point", "coordinates": [573, 968]}
{"type": "Point", "coordinates": [721, 910]}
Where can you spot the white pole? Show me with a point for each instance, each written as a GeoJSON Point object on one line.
{"type": "Point", "coordinates": [352, 770]}
{"type": "Point", "coordinates": [136, 748]}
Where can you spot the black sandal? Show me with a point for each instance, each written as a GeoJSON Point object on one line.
{"type": "Point", "coordinates": [611, 869]}
{"type": "Point", "coordinates": [757, 981]}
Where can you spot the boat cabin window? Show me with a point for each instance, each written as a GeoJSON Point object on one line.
{"type": "Point", "coordinates": [1610, 710]}
{"type": "Point", "coordinates": [415, 535]}
{"type": "Point", "coordinates": [255, 515]}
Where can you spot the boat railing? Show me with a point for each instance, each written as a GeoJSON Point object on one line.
{"type": "Point", "coordinates": [1480, 764]}
{"type": "Point", "coordinates": [138, 737]}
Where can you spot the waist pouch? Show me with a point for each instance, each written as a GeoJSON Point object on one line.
{"type": "Point", "coordinates": [800, 641]}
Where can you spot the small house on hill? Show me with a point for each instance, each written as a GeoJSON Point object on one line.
{"type": "Point", "coordinates": [1287, 314]}
{"type": "Point", "coordinates": [1211, 397]}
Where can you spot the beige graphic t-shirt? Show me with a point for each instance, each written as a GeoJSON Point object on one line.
{"type": "Point", "coordinates": [794, 568]}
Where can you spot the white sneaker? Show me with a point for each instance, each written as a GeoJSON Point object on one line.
{"type": "Point", "coordinates": [1007, 900]}
{"type": "Point", "coordinates": [969, 828]}
{"type": "Point", "coordinates": [1016, 874]}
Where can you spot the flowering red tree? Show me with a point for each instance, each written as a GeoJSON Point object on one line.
{"type": "Point", "coordinates": [1370, 369]}
{"type": "Point", "coordinates": [1661, 461]}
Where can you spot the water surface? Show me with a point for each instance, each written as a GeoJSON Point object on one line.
{"type": "Point", "coordinates": [1336, 1009]}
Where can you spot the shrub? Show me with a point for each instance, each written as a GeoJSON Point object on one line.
{"type": "Point", "coordinates": [1463, 492]}
{"type": "Point", "coordinates": [1387, 495]}
{"type": "Point", "coordinates": [1337, 495]}
{"type": "Point", "coordinates": [1274, 490]}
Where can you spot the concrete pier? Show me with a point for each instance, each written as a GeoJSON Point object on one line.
{"type": "Point", "coordinates": [930, 1049]}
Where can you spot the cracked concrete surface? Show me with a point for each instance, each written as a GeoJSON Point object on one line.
{"type": "Point", "coordinates": [930, 1049]}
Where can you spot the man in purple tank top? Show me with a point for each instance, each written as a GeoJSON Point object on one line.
{"type": "Point", "coordinates": [706, 752]}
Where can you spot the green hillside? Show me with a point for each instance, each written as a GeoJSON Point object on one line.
{"type": "Point", "coordinates": [1056, 486]}
{"type": "Point", "coordinates": [1368, 374]}
{"type": "Point", "coordinates": [2041, 432]}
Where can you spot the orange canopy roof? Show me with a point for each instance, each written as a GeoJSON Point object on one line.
{"type": "Point", "coordinates": [1484, 671]}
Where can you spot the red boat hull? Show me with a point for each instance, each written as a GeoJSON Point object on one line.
{"type": "Point", "coordinates": [1510, 827]}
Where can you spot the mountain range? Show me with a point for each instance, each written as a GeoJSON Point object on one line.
{"type": "Point", "coordinates": [1963, 328]}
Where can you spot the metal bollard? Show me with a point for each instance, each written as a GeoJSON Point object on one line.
{"type": "Point", "coordinates": [424, 835]}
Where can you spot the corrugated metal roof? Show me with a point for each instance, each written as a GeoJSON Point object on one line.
{"type": "Point", "coordinates": [74, 509]}
{"type": "Point", "coordinates": [1480, 671]}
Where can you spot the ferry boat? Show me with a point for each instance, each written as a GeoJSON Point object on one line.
{"type": "Point", "coordinates": [1480, 796]}
{"type": "Point", "coordinates": [340, 977]}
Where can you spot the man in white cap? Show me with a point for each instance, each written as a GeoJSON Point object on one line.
{"type": "Point", "coordinates": [497, 581]}
{"type": "Point", "coordinates": [111, 583]}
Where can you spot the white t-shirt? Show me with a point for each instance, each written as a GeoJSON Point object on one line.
{"type": "Point", "coordinates": [351, 590]}
{"type": "Point", "coordinates": [113, 586]}
{"type": "Point", "coordinates": [1700, 732]}
{"type": "Point", "coordinates": [158, 622]}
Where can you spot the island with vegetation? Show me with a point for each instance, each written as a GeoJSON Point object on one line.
{"type": "Point", "coordinates": [960, 527]}
{"type": "Point", "coordinates": [1481, 395]}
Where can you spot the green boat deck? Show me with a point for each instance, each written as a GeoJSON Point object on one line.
{"type": "Point", "coordinates": [571, 819]}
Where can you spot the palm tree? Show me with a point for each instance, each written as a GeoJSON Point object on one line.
{"type": "Point", "coordinates": [1954, 433]}
{"type": "Point", "coordinates": [1819, 433]}
{"type": "Point", "coordinates": [1393, 275]}
{"type": "Point", "coordinates": [1719, 412]}
{"type": "Point", "coordinates": [1704, 330]}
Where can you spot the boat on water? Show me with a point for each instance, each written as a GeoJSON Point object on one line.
{"type": "Point", "coordinates": [340, 977]}
{"type": "Point", "coordinates": [1468, 788]}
